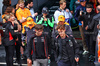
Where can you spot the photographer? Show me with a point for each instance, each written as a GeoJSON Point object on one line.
{"type": "Point", "coordinates": [82, 8]}
{"type": "Point", "coordinates": [87, 19]}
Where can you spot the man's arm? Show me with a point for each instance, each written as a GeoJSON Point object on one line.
{"type": "Point", "coordinates": [76, 14]}
{"type": "Point", "coordinates": [51, 22]}
{"type": "Point", "coordinates": [39, 20]}
{"type": "Point", "coordinates": [71, 6]}
{"type": "Point", "coordinates": [76, 49]}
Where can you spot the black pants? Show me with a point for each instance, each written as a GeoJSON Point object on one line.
{"type": "Point", "coordinates": [9, 54]}
{"type": "Point", "coordinates": [17, 48]}
{"type": "Point", "coordinates": [90, 43]}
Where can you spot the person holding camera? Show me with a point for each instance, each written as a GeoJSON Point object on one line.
{"type": "Point", "coordinates": [87, 19]}
{"type": "Point", "coordinates": [81, 8]}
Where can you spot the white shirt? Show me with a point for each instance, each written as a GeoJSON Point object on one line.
{"type": "Point", "coordinates": [57, 13]}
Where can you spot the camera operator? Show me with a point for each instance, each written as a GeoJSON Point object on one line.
{"type": "Point", "coordinates": [82, 8]}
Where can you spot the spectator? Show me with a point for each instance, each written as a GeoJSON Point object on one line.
{"type": "Point", "coordinates": [30, 7]}
{"type": "Point", "coordinates": [95, 25]}
{"type": "Point", "coordinates": [73, 5]}
{"type": "Point", "coordinates": [62, 11]}
{"type": "Point", "coordinates": [6, 3]}
{"type": "Point", "coordinates": [87, 19]}
{"type": "Point", "coordinates": [82, 8]}
{"type": "Point", "coordinates": [46, 20]}
{"type": "Point", "coordinates": [40, 47]}
{"type": "Point", "coordinates": [22, 13]}
{"type": "Point", "coordinates": [9, 39]}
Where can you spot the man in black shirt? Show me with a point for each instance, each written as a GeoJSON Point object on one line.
{"type": "Point", "coordinates": [67, 49]}
{"type": "Point", "coordinates": [39, 44]}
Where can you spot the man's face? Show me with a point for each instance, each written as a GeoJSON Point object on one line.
{"type": "Point", "coordinates": [31, 4]}
{"type": "Point", "coordinates": [63, 6]}
{"type": "Point", "coordinates": [89, 10]}
{"type": "Point", "coordinates": [44, 14]}
{"type": "Point", "coordinates": [39, 32]}
{"type": "Point", "coordinates": [21, 5]}
{"type": "Point", "coordinates": [83, 3]}
{"type": "Point", "coordinates": [12, 18]}
{"type": "Point", "coordinates": [61, 32]}
{"type": "Point", "coordinates": [61, 23]}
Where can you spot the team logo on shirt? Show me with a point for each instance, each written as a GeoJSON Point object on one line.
{"type": "Point", "coordinates": [11, 27]}
{"type": "Point", "coordinates": [42, 39]}
{"type": "Point", "coordinates": [35, 39]}
{"type": "Point", "coordinates": [70, 43]}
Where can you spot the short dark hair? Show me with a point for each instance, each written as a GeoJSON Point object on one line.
{"type": "Point", "coordinates": [61, 27]}
{"type": "Point", "coordinates": [89, 6]}
{"type": "Point", "coordinates": [6, 2]}
{"type": "Point", "coordinates": [39, 27]}
{"type": "Point", "coordinates": [28, 2]}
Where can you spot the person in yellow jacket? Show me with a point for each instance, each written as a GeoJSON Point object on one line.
{"type": "Point", "coordinates": [22, 13]}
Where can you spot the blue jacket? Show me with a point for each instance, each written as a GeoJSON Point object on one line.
{"type": "Point", "coordinates": [77, 12]}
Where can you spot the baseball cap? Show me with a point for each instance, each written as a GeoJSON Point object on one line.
{"type": "Point", "coordinates": [61, 18]}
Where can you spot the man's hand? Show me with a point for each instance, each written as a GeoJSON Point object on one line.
{"type": "Point", "coordinates": [71, 12]}
{"type": "Point", "coordinates": [45, 19]}
{"type": "Point", "coordinates": [98, 26]}
{"type": "Point", "coordinates": [36, 14]}
{"type": "Point", "coordinates": [19, 27]}
{"type": "Point", "coordinates": [23, 43]}
{"type": "Point", "coordinates": [81, 13]}
{"type": "Point", "coordinates": [17, 39]}
{"type": "Point", "coordinates": [29, 61]}
{"type": "Point", "coordinates": [23, 18]}
{"type": "Point", "coordinates": [86, 27]}
{"type": "Point", "coordinates": [77, 59]}
{"type": "Point", "coordinates": [82, 23]}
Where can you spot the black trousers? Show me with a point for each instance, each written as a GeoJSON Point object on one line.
{"type": "Point", "coordinates": [90, 43]}
{"type": "Point", "coordinates": [9, 54]}
{"type": "Point", "coordinates": [17, 48]}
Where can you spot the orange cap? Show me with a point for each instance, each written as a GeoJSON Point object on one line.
{"type": "Point", "coordinates": [61, 18]}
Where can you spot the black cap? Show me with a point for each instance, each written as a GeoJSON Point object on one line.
{"type": "Point", "coordinates": [45, 10]}
{"type": "Point", "coordinates": [89, 6]}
